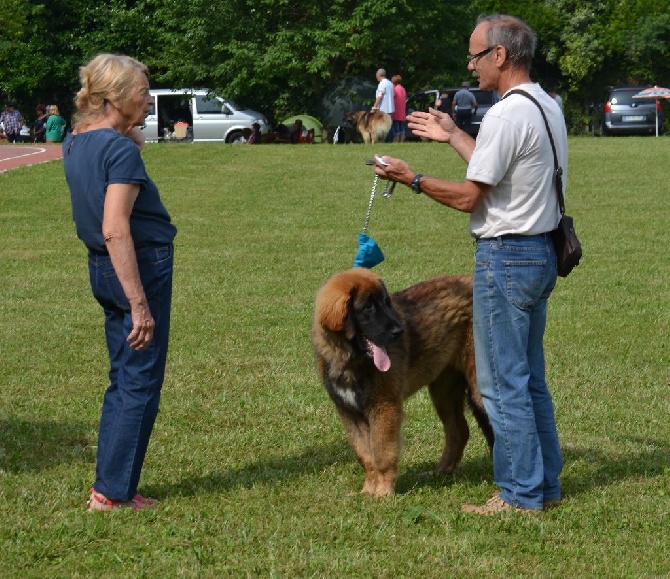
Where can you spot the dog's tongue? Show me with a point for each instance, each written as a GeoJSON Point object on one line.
{"type": "Point", "coordinates": [380, 357]}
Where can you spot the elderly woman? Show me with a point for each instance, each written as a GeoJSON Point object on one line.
{"type": "Point", "coordinates": [127, 231]}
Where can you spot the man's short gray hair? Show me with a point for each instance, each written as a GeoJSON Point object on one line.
{"type": "Point", "coordinates": [381, 72]}
{"type": "Point", "coordinates": [514, 34]}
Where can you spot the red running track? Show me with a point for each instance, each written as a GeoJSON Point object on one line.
{"type": "Point", "coordinates": [13, 156]}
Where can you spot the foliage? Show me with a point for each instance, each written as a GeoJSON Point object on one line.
{"type": "Point", "coordinates": [289, 53]}
{"type": "Point", "coordinates": [584, 45]}
{"type": "Point", "coordinates": [12, 21]}
{"type": "Point", "coordinates": [649, 47]}
{"type": "Point", "coordinates": [248, 457]}
{"type": "Point", "coordinates": [57, 38]}
{"type": "Point", "coordinates": [281, 56]}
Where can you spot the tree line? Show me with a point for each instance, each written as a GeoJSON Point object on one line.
{"type": "Point", "coordinates": [279, 56]}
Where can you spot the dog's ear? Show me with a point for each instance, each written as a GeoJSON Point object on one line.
{"type": "Point", "coordinates": [333, 307]}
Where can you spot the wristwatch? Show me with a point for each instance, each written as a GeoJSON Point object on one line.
{"type": "Point", "coordinates": [415, 185]}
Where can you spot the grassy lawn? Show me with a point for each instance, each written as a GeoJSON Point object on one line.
{"type": "Point", "coordinates": [254, 473]}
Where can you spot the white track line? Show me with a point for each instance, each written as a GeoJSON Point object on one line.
{"type": "Point", "coordinates": [38, 151]}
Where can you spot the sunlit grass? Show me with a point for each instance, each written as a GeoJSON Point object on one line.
{"type": "Point", "coordinates": [248, 458]}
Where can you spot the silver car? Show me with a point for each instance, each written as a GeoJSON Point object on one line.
{"type": "Point", "coordinates": [198, 115]}
{"type": "Point", "coordinates": [618, 113]}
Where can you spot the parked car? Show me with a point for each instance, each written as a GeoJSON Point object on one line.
{"type": "Point", "coordinates": [198, 115]}
{"type": "Point", "coordinates": [421, 100]}
{"type": "Point", "coordinates": [618, 113]}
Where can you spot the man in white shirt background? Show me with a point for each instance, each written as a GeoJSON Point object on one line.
{"type": "Point", "coordinates": [384, 96]}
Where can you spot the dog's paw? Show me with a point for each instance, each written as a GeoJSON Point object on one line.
{"type": "Point", "coordinates": [445, 468]}
{"type": "Point", "coordinates": [369, 488]}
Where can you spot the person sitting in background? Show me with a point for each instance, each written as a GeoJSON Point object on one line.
{"type": "Point", "coordinates": [255, 136]}
{"type": "Point", "coordinates": [39, 127]}
{"type": "Point", "coordinates": [244, 137]}
{"type": "Point", "coordinates": [298, 132]}
{"type": "Point", "coordinates": [282, 134]}
{"type": "Point", "coordinates": [24, 134]}
{"type": "Point", "coordinates": [55, 126]}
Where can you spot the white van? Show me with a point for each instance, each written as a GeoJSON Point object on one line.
{"type": "Point", "coordinates": [198, 115]}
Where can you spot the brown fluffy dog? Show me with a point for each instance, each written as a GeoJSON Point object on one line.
{"type": "Point", "coordinates": [375, 349]}
{"type": "Point", "coordinates": [373, 126]}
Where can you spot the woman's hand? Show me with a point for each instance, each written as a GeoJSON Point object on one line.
{"type": "Point", "coordinates": [119, 202]}
{"type": "Point", "coordinates": [143, 326]}
{"type": "Point", "coordinates": [136, 135]}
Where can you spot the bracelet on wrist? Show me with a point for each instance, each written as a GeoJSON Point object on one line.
{"type": "Point", "coordinates": [415, 185]}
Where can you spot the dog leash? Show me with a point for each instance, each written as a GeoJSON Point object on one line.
{"type": "Point", "coordinates": [372, 200]}
{"type": "Point", "coordinates": [388, 191]}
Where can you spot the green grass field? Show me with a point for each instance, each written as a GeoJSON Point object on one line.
{"type": "Point", "coordinates": [254, 473]}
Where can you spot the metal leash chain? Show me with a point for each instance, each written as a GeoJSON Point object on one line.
{"type": "Point", "coordinates": [372, 199]}
{"type": "Point", "coordinates": [388, 191]}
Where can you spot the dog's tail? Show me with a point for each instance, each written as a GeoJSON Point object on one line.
{"type": "Point", "coordinates": [477, 406]}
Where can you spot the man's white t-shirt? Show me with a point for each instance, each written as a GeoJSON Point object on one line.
{"type": "Point", "coordinates": [385, 90]}
{"type": "Point", "coordinates": [513, 153]}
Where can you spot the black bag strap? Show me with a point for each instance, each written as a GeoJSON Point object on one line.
{"type": "Point", "coordinates": [558, 171]}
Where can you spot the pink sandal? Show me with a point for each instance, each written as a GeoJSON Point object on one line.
{"type": "Point", "coordinates": [99, 502]}
{"type": "Point", "coordinates": [144, 502]}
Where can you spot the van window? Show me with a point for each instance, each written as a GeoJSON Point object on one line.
{"type": "Point", "coordinates": [208, 104]}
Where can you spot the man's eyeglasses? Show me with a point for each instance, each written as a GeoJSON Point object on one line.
{"type": "Point", "coordinates": [484, 52]}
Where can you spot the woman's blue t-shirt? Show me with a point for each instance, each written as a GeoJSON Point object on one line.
{"type": "Point", "coordinates": [96, 159]}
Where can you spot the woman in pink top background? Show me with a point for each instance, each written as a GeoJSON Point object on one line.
{"type": "Point", "coordinates": [398, 116]}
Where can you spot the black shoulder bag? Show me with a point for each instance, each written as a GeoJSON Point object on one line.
{"type": "Point", "coordinates": [568, 248]}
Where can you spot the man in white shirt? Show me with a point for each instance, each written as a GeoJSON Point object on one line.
{"type": "Point", "coordinates": [510, 194]}
{"type": "Point", "coordinates": [384, 100]}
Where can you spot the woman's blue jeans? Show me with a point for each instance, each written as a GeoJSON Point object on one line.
{"type": "Point", "coordinates": [514, 276]}
{"type": "Point", "coordinates": [130, 404]}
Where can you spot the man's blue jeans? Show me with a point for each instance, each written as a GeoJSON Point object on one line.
{"type": "Point", "coordinates": [514, 276]}
{"type": "Point", "coordinates": [130, 404]}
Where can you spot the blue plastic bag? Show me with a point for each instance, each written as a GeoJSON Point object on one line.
{"type": "Point", "coordinates": [369, 254]}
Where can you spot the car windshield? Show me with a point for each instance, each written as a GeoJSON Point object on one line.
{"type": "Point", "coordinates": [237, 106]}
{"type": "Point", "coordinates": [213, 104]}
{"type": "Point", "coordinates": [208, 104]}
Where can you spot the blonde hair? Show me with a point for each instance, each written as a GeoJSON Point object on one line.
{"type": "Point", "coordinates": [106, 78]}
{"type": "Point", "coordinates": [53, 110]}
